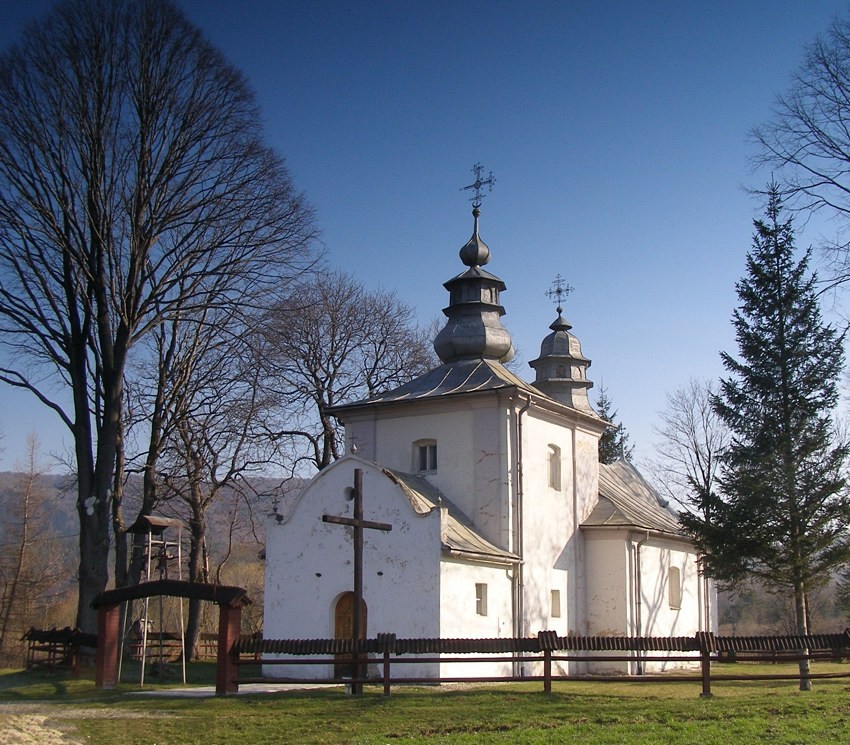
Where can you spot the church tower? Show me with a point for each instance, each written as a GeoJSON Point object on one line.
{"type": "Point", "coordinates": [561, 368]}
{"type": "Point", "coordinates": [474, 328]}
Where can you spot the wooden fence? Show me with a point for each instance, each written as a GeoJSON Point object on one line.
{"type": "Point", "coordinates": [52, 648]}
{"type": "Point", "coordinates": [547, 647]}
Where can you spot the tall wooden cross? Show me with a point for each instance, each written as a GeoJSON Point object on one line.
{"type": "Point", "coordinates": [359, 524]}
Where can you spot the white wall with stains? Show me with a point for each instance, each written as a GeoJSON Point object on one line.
{"type": "Point", "coordinates": [309, 563]}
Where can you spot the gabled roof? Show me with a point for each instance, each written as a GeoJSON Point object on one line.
{"type": "Point", "coordinates": [459, 535]}
{"type": "Point", "coordinates": [454, 378]}
{"type": "Point", "coordinates": [627, 500]}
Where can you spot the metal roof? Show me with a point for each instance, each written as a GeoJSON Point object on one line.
{"type": "Point", "coordinates": [459, 534]}
{"type": "Point", "coordinates": [627, 500]}
{"type": "Point", "coordinates": [454, 378]}
{"type": "Point", "coordinates": [154, 524]}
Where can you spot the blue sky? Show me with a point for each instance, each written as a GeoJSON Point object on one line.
{"type": "Point", "coordinates": [617, 133]}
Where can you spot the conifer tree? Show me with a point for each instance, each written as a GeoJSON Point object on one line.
{"type": "Point", "coordinates": [614, 443]}
{"type": "Point", "coordinates": [782, 508]}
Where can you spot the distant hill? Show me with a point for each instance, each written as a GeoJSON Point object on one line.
{"type": "Point", "coordinates": [59, 492]}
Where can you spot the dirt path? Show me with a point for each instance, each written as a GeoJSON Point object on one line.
{"type": "Point", "coordinates": [42, 723]}
{"type": "Point", "coordinates": [36, 724]}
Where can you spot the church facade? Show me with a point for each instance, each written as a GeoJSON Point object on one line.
{"type": "Point", "coordinates": [503, 521]}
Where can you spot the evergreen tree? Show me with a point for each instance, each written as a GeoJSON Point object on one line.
{"type": "Point", "coordinates": [614, 443]}
{"type": "Point", "coordinates": [782, 508]}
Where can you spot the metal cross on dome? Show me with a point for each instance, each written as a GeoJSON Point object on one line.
{"type": "Point", "coordinates": [558, 291]}
{"type": "Point", "coordinates": [478, 170]}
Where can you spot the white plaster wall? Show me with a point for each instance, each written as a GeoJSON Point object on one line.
{"type": "Point", "coordinates": [309, 564]}
{"type": "Point", "coordinates": [658, 617]}
{"type": "Point", "coordinates": [608, 583]}
{"type": "Point", "coordinates": [611, 588]}
{"type": "Point", "coordinates": [460, 618]}
{"type": "Point", "coordinates": [553, 546]}
{"type": "Point", "coordinates": [473, 465]}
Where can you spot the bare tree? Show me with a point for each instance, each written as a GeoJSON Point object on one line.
{"type": "Point", "coordinates": [332, 341]}
{"type": "Point", "coordinates": [691, 438]}
{"type": "Point", "coordinates": [31, 563]}
{"type": "Point", "coordinates": [217, 437]}
{"type": "Point", "coordinates": [133, 181]}
{"type": "Point", "coordinates": [807, 141]}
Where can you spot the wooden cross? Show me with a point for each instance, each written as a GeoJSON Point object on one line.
{"type": "Point", "coordinates": [359, 524]}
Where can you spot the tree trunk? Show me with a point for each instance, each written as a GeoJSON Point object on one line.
{"type": "Point", "coordinates": [11, 596]}
{"type": "Point", "coordinates": [197, 569]}
{"type": "Point", "coordinates": [801, 611]}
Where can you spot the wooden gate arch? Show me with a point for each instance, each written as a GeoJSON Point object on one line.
{"type": "Point", "coordinates": [230, 601]}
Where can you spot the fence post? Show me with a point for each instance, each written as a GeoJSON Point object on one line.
{"type": "Point", "coordinates": [705, 640]}
{"type": "Point", "coordinates": [227, 660]}
{"type": "Point", "coordinates": [106, 659]}
{"type": "Point", "coordinates": [387, 645]}
{"type": "Point", "coordinates": [547, 641]}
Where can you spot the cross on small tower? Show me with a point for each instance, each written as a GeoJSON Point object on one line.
{"type": "Point", "coordinates": [358, 523]}
{"type": "Point", "coordinates": [558, 291]}
{"type": "Point", "coordinates": [477, 169]}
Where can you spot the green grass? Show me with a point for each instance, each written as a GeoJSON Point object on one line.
{"type": "Point", "coordinates": [586, 712]}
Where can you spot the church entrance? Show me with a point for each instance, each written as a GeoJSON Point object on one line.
{"type": "Point", "coordinates": [344, 629]}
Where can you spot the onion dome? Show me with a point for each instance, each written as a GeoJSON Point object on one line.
{"type": "Point", "coordinates": [474, 328]}
{"type": "Point", "coordinates": [561, 369]}
{"type": "Point", "coordinates": [475, 252]}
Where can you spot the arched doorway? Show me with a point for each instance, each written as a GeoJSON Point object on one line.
{"type": "Point", "coordinates": [344, 629]}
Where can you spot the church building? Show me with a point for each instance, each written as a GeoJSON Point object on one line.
{"type": "Point", "coordinates": [503, 522]}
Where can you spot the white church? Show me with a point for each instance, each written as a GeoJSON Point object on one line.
{"type": "Point", "coordinates": [503, 521]}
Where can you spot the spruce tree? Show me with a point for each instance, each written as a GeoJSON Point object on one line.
{"type": "Point", "coordinates": [782, 508]}
{"type": "Point", "coordinates": [614, 443]}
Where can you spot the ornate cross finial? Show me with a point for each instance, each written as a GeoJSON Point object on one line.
{"type": "Point", "coordinates": [558, 291]}
{"type": "Point", "coordinates": [478, 183]}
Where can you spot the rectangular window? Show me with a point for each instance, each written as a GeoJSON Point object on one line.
{"type": "Point", "coordinates": [481, 598]}
{"type": "Point", "coordinates": [556, 603]}
{"type": "Point", "coordinates": [555, 467]}
{"type": "Point", "coordinates": [426, 457]}
{"type": "Point", "coordinates": [674, 587]}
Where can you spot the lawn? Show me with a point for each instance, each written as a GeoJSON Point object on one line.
{"type": "Point", "coordinates": [586, 712]}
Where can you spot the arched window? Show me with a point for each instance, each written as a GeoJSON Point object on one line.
{"type": "Point", "coordinates": [425, 456]}
{"type": "Point", "coordinates": [555, 467]}
{"type": "Point", "coordinates": [674, 587]}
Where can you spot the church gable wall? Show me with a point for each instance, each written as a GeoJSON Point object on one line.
{"type": "Point", "coordinates": [309, 563]}
{"type": "Point", "coordinates": [472, 467]}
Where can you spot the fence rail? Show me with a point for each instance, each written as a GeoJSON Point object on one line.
{"type": "Point", "coordinates": [547, 647]}
{"type": "Point", "coordinates": [54, 647]}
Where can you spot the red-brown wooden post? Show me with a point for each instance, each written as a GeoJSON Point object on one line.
{"type": "Point", "coordinates": [227, 667]}
{"type": "Point", "coordinates": [547, 641]}
{"type": "Point", "coordinates": [387, 645]}
{"type": "Point", "coordinates": [386, 672]}
{"type": "Point", "coordinates": [106, 656]}
{"type": "Point", "coordinates": [705, 640]}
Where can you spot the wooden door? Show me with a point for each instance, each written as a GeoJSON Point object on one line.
{"type": "Point", "coordinates": [344, 629]}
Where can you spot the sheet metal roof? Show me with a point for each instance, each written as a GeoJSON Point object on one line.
{"type": "Point", "coordinates": [461, 376]}
{"type": "Point", "coordinates": [459, 534]}
{"type": "Point", "coordinates": [627, 500]}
